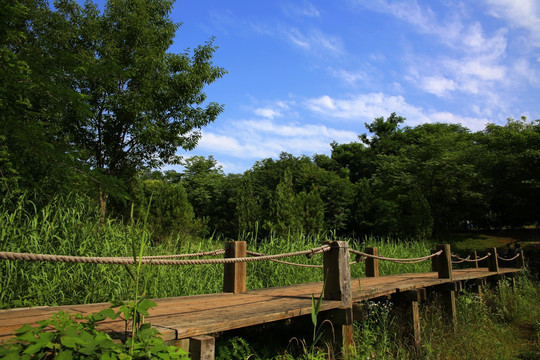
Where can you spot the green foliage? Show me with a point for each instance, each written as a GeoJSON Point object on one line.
{"type": "Point", "coordinates": [490, 327]}
{"type": "Point", "coordinates": [235, 348]}
{"type": "Point", "coordinates": [284, 209]}
{"type": "Point", "coordinates": [66, 336]}
{"type": "Point", "coordinates": [88, 97]}
{"type": "Point", "coordinates": [166, 208]}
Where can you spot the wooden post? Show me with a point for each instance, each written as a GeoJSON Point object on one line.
{"type": "Point", "coordinates": [408, 305]}
{"type": "Point", "coordinates": [493, 261]}
{"type": "Point", "coordinates": [413, 315]}
{"type": "Point", "coordinates": [202, 347]}
{"type": "Point", "coordinates": [474, 257]}
{"type": "Point", "coordinates": [337, 274]}
{"type": "Point", "coordinates": [444, 262]}
{"type": "Point", "coordinates": [434, 262]}
{"type": "Point", "coordinates": [234, 275]}
{"type": "Point", "coordinates": [477, 286]}
{"type": "Point", "coordinates": [449, 304]}
{"type": "Point", "coordinates": [372, 265]}
{"type": "Point", "coordinates": [337, 279]}
{"type": "Point", "coordinates": [520, 261]}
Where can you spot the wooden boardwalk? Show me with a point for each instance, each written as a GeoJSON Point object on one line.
{"type": "Point", "coordinates": [189, 316]}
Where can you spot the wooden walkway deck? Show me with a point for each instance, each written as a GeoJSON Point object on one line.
{"type": "Point", "coordinates": [185, 317]}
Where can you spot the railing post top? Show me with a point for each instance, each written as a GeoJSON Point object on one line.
{"type": "Point", "coordinates": [337, 243]}
{"type": "Point", "coordinates": [443, 247]}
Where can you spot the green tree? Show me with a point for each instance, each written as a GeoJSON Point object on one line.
{"type": "Point", "coordinates": [248, 208]}
{"type": "Point", "coordinates": [311, 213]}
{"type": "Point", "coordinates": [34, 93]}
{"type": "Point", "coordinates": [205, 183]}
{"type": "Point", "coordinates": [143, 102]}
{"type": "Point", "coordinates": [510, 163]}
{"type": "Point", "coordinates": [165, 207]}
{"type": "Point", "coordinates": [285, 211]}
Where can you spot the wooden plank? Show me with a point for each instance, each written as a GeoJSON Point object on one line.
{"type": "Point", "coordinates": [203, 314]}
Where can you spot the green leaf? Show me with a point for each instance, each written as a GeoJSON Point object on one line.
{"type": "Point", "coordinates": [23, 329]}
{"type": "Point", "coordinates": [64, 355]}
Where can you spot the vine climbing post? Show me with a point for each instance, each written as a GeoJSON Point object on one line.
{"type": "Point", "coordinates": [337, 279]}
{"type": "Point", "coordinates": [372, 264]}
{"type": "Point", "coordinates": [234, 274]}
{"type": "Point", "coordinates": [444, 265]}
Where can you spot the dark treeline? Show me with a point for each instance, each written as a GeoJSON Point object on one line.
{"type": "Point", "coordinates": [400, 181]}
{"type": "Point", "coordinates": [92, 102]}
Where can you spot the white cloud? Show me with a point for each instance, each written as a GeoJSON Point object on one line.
{"type": "Point", "coordinates": [473, 124]}
{"type": "Point", "coordinates": [314, 41]}
{"type": "Point", "coordinates": [267, 113]}
{"type": "Point", "coordinates": [305, 8]}
{"type": "Point", "coordinates": [518, 13]}
{"type": "Point", "coordinates": [347, 76]}
{"type": "Point", "coordinates": [438, 85]}
{"type": "Point", "coordinates": [257, 139]}
{"type": "Point", "coordinates": [422, 18]}
{"type": "Point", "coordinates": [361, 107]}
{"type": "Point", "coordinates": [366, 107]}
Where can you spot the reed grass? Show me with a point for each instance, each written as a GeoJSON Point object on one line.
{"type": "Point", "coordinates": [70, 226]}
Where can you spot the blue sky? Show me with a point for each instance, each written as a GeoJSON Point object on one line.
{"type": "Point", "coordinates": [305, 73]}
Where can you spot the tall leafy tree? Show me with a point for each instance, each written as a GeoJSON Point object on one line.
{"type": "Point", "coordinates": [35, 91]}
{"type": "Point", "coordinates": [143, 102]}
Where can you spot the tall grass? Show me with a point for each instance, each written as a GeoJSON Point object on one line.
{"type": "Point", "coordinates": [70, 226]}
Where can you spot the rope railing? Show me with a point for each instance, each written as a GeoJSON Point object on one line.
{"type": "Point", "coordinates": [468, 259]}
{"type": "Point", "coordinates": [510, 259]}
{"type": "Point", "coordinates": [397, 260]}
{"type": "Point", "coordinates": [6, 255]}
{"type": "Point", "coordinates": [253, 253]}
{"type": "Point", "coordinates": [176, 256]}
{"type": "Point", "coordinates": [357, 260]}
{"type": "Point", "coordinates": [460, 260]}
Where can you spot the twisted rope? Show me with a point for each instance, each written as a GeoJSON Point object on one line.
{"type": "Point", "coordinates": [504, 259]}
{"type": "Point", "coordinates": [467, 259]}
{"type": "Point", "coordinates": [397, 260]}
{"type": "Point", "coordinates": [130, 261]}
{"type": "Point", "coordinates": [199, 254]}
{"type": "Point", "coordinates": [253, 253]}
{"type": "Point", "coordinates": [358, 259]}
{"type": "Point", "coordinates": [460, 260]}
